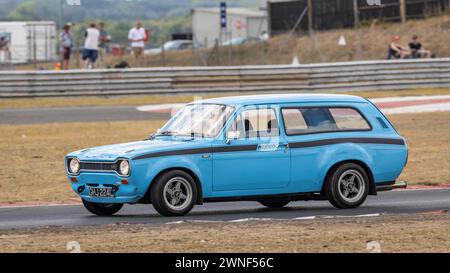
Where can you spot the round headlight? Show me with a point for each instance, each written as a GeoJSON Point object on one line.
{"type": "Point", "coordinates": [124, 167]}
{"type": "Point", "coordinates": [74, 165]}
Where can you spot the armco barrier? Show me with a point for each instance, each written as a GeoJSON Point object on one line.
{"type": "Point", "coordinates": [344, 76]}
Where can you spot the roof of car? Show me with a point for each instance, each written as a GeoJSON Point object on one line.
{"type": "Point", "coordinates": [284, 98]}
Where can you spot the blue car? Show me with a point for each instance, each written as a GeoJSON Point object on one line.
{"type": "Point", "coordinates": [273, 149]}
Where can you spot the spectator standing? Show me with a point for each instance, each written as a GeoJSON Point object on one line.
{"type": "Point", "coordinates": [417, 50]}
{"type": "Point", "coordinates": [3, 43]}
{"type": "Point", "coordinates": [104, 40]}
{"type": "Point", "coordinates": [91, 43]}
{"type": "Point", "coordinates": [66, 45]}
{"type": "Point", "coordinates": [396, 50]}
{"type": "Point", "coordinates": [137, 36]}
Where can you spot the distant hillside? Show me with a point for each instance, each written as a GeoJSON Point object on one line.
{"type": "Point", "coordinates": [106, 9]}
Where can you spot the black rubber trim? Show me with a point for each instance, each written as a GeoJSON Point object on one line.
{"type": "Point", "coordinates": [303, 144]}
{"type": "Point", "coordinates": [307, 144]}
{"type": "Point", "coordinates": [290, 196]}
{"type": "Point", "coordinates": [243, 148]}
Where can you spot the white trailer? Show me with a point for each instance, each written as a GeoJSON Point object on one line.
{"type": "Point", "coordinates": [28, 42]}
{"type": "Point", "coordinates": [241, 23]}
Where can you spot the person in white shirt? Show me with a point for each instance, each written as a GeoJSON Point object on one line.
{"type": "Point", "coordinates": [90, 51]}
{"type": "Point", "coordinates": [137, 37]}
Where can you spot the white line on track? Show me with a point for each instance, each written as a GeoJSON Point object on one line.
{"type": "Point", "coordinates": [278, 219]}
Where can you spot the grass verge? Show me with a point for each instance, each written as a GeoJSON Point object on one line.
{"type": "Point", "coordinates": [417, 233]}
{"type": "Point", "coordinates": [160, 99]}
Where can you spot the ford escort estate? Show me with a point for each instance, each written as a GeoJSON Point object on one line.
{"type": "Point", "coordinates": [273, 149]}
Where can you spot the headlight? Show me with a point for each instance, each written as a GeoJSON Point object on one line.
{"type": "Point", "coordinates": [74, 166]}
{"type": "Point", "coordinates": [124, 167]}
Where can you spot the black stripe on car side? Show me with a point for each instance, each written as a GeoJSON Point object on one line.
{"type": "Point", "coordinates": [304, 144]}
{"type": "Point", "coordinates": [175, 152]}
{"type": "Point", "coordinates": [223, 149]}
{"type": "Point", "coordinates": [323, 142]}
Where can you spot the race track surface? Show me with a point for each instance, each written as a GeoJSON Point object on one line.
{"type": "Point", "coordinates": [389, 105]}
{"type": "Point", "coordinates": [76, 114]}
{"type": "Point", "coordinates": [395, 202]}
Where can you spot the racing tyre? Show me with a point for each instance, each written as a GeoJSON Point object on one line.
{"type": "Point", "coordinates": [174, 193]}
{"type": "Point", "coordinates": [274, 203]}
{"type": "Point", "coordinates": [347, 186]}
{"type": "Point", "coordinates": [101, 209]}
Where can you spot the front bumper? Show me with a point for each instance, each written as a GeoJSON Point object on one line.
{"type": "Point", "coordinates": [389, 187]}
{"type": "Point", "coordinates": [125, 193]}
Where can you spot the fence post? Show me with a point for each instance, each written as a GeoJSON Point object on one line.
{"type": "Point", "coordinates": [402, 11]}
{"type": "Point", "coordinates": [356, 13]}
{"type": "Point", "coordinates": [310, 17]}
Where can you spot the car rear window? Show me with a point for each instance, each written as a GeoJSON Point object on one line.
{"type": "Point", "coordinates": [305, 120]}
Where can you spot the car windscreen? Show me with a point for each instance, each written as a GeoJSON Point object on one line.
{"type": "Point", "coordinates": [204, 120]}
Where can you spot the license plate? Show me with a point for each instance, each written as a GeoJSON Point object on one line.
{"type": "Point", "coordinates": [101, 192]}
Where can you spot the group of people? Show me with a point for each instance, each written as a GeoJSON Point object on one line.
{"type": "Point", "coordinates": [95, 43]}
{"type": "Point", "coordinates": [414, 50]}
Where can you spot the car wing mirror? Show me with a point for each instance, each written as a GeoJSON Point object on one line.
{"type": "Point", "coordinates": [231, 135]}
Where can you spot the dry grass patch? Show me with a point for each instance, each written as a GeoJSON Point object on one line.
{"type": "Point", "coordinates": [35, 170]}
{"type": "Point", "coordinates": [161, 99]}
{"type": "Point", "coordinates": [419, 233]}
{"type": "Point", "coordinates": [428, 138]}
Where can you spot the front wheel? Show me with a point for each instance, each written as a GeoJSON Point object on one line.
{"type": "Point", "coordinates": [101, 209]}
{"type": "Point", "coordinates": [174, 193]}
{"type": "Point", "coordinates": [347, 186]}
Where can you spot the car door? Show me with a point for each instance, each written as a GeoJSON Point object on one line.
{"type": "Point", "coordinates": [257, 158]}
{"type": "Point", "coordinates": [311, 132]}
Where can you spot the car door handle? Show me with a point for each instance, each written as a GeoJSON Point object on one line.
{"type": "Point", "coordinates": [285, 146]}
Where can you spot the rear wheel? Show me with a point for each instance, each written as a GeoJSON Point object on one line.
{"type": "Point", "coordinates": [347, 186]}
{"type": "Point", "coordinates": [101, 209]}
{"type": "Point", "coordinates": [174, 193]}
{"type": "Point", "coordinates": [274, 203]}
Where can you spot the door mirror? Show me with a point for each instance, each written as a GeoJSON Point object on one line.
{"type": "Point", "coordinates": [232, 135]}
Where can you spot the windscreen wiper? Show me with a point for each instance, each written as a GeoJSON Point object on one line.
{"type": "Point", "coordinates": [165, 133]}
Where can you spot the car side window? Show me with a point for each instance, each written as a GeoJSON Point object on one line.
{"type": "Point", "coordinates": [322, 119]}
{"type": "Point", "coordinates": [254, 123]}
{"type": "Point", "coordinates": [349, 119]}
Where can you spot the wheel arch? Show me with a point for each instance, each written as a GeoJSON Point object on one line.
{"type": "Point", "coordinates": [198, 184]}
{"type": "Point", "coordinates": [362, 164]}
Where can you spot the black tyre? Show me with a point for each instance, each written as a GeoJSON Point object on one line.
{"type": "Point", "coordinates": [347, 186]}
{"type": "Point", "coordinates": [101, 209]}
{"type": "Point", "coordinates": [174, 193]}
{"type": "Point", "coordinates": [274, 203]}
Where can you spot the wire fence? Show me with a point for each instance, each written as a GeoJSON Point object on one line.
{"type": "Point", "coordinates": [297, 43]}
